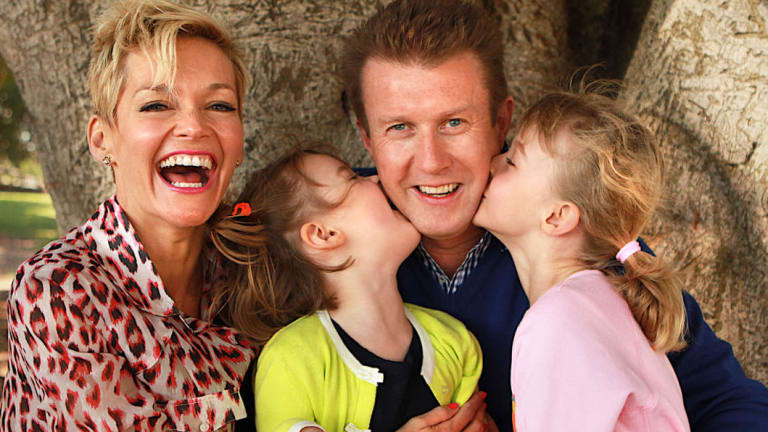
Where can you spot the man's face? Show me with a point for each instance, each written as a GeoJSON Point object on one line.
{"type": "Point", "coordinates": [432, 138]}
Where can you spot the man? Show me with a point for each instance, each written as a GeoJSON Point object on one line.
{"type": "Point", "coordinates": [425, 79]}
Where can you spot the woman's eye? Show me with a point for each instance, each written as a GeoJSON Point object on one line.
{"type": "Point", "coordinates": [154, 106]}
{"type": "Point", "coordinates": [509, 161]}
{"type": "Point", "coordinates": [222, 106]}
{"type": "Point", "coordinates": [454, 122]}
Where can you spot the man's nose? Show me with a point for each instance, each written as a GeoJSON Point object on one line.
{"type": "Point", "coordinates": [433, 154]}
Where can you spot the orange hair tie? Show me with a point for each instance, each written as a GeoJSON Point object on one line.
{"type": "Point", "coordinates": [241, 209]}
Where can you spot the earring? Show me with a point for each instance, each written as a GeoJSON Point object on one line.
{"type": "Point", "coordinates": [237, 163]}
{"type": "Point", "coordinates": [107, 159]}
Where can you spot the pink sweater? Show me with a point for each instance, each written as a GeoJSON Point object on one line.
{"type": "Point", "coordinates": [581, 362]}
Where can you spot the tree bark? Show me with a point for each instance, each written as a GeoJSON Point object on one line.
{"type": "Point", "coordinates": [700, 78]}
{"type": "Point", "coordinates": [700, 68]}
{"type": "Point", "coordinates": [293, 49]}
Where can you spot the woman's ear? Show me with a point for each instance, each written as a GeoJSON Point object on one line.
{"type": "Point", "coordinates": [318, 237]}
{"type": "Point", "coordinates": [563, 218]}
{"type": "Point", "coordinates": [97, 143]}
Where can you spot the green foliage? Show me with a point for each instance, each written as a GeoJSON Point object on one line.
{"type": "Point", "coordinates": [12, 147]}
{"type": "Point", "coordinates": [26, 215]}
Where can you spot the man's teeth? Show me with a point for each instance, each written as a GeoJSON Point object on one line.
{"type": "Point", "coordinates": [187, 160]}
{"type": "Point", "coordinates": [439, 190]}
{"type": "Point", "coordinates": [187, 185]}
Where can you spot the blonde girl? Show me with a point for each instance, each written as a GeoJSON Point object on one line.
{"type": "Point", "coordinates": [569, 199]}
{"type": "Point", "coordinates": [321, 247]}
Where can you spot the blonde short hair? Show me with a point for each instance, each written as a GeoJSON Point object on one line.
{"type": "Point", "coordinates": [152, 26]}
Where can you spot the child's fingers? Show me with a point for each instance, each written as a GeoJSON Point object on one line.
{"type": "Point", "coordinates": [431, 420]}
{"type": "Point", "coordinates": [471, 416]}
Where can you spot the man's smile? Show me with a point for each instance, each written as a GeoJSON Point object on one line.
{"type": "Point", "coordinates": [438, 191]}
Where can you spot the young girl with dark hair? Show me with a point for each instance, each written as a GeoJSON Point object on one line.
{"type": "Point", "coordinates": [569, 199]}
{"type": "Point", "coordinates": [320, 249]}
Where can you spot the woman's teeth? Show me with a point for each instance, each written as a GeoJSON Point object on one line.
{"type": "Point", "coordinates": [185, 170]}
{"type": "Point", "coordinates": [438, 191]}
{"type": "Point", "coordinates": [187, 185]}
{"type": "Point", "coordinates": [202, 161]}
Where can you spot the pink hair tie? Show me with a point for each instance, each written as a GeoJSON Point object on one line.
{"type": "Point", "coordinates": [627, 251]}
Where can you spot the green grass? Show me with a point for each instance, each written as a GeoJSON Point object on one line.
{"type": "Point", "coordinates": [25, 215]}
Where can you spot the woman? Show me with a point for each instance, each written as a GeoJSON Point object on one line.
{"type": "Point", "coordinates": [108, 327]}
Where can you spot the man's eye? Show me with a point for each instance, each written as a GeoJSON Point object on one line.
{"type": "Point", "coordinates": [454, 122]}
{"type": "Point", "coordinates": [222, 106]}
{"type": "Point", "coordinates": [153, 106]}
{"type": "Point", "coordinates": [398, 127]}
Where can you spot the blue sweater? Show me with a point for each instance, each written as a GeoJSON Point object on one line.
{"type": "Point", "coordinates": [491, 303]}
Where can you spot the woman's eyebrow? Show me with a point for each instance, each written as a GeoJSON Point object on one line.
{"type": "Point", "coordinates": [217, 86]}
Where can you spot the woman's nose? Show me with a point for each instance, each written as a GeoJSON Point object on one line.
{"type": "Point", "coordinates": [190, 124]}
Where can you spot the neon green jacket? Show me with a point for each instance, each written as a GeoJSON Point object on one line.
{"type": "Point", "coordinates": [307, 377]}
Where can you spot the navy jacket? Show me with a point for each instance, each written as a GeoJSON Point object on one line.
{"type": "Point", "coordinates": [491, 302]}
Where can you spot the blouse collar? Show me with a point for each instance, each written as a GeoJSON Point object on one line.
{"type": "Point", "coordinates": [110, 234]}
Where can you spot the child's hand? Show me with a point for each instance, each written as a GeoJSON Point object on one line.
{"type": "Point", "coordinates": [470, 417]}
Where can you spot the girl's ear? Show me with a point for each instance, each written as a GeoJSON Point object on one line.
{"type": "Point", "coordinates": [319, 237]}
{"type": "Point", "coordinates": [562, 219]}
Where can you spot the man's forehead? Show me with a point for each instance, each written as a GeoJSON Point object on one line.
{"type": "Point", "coordinates": [453, 86]}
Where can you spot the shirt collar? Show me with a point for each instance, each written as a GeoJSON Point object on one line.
{"type": "Point", "coordinates": [110, 235]}
{"type": "Point", "coordinates": [471, 261]}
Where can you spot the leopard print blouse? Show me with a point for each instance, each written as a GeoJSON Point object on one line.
{"type": "Point", "coordinates": [96, 343]}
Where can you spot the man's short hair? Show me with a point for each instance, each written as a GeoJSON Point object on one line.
{"type": "Point", "coordinates": [151, 27]}
{"type": "Point", "coordinates": [425, 32]}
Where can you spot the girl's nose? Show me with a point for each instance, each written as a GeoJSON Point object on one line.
{"type": "Point", "coordinates": [496, 161]}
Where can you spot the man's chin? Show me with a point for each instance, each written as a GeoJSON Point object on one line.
{"type": "Point", "coordinates": [444, 230]}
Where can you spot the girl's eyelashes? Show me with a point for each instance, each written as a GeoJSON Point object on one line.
{"type": "Point", "coordinates": [509, 161]}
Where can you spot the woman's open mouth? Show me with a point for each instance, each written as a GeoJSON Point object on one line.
{"type": "Point", "coordinates": [186, 171]}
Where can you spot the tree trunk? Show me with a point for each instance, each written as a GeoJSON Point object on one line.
{"type": "Point", "coordinates": [700, 69]}
{"type": "Point", "coordinates": [293, 49]}
{"type": "Point", "coordinates": [700, 78]}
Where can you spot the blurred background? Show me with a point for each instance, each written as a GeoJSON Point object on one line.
{"type": "Point", "coordinates": [27, 218]}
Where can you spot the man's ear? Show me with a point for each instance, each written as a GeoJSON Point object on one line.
{"type": "Point", "coordinates": [563, 218]}
{"type": "Point", "coordinates": [365, 137]}
{"type": "Point", "coordinates": [320, 237]}
{"type": "Point", "coordinates": [97, 142]}
{"type": "Point", "coordinates": [504, 117]}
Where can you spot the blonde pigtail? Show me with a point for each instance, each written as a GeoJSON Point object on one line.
{"type": "Point", "coordinates": [652, 290]}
